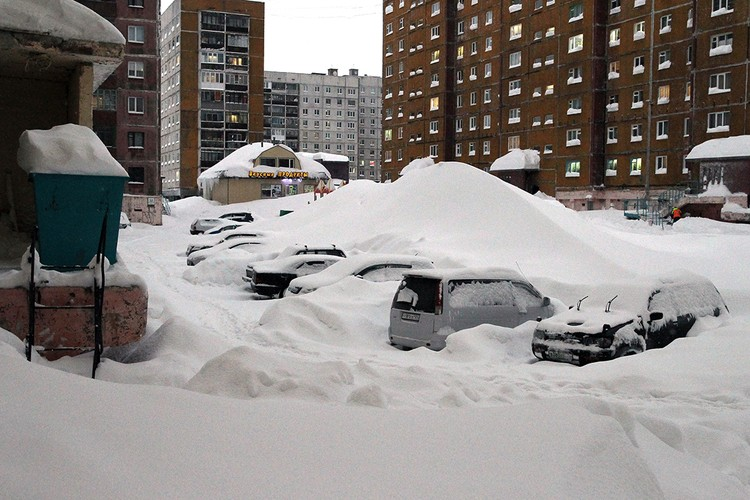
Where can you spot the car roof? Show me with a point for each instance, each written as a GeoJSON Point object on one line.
{"type": "Point", "coordinates": [291, 262]}
{"type": "Point", "coordinates": [473, 273]}
{"type": "Point", "coordinates": [356, 263]}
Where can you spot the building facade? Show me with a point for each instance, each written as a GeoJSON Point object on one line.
{"type": "Point", "coordinates": [211, 86]}
{"type": "Point", "coordinates": [613, 94]}
{"type": "Point", "coordinates": [328, 113]}
{"type": "Point", "coordinates": [126, 105]}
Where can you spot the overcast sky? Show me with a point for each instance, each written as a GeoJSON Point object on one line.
{"type": "Point", "coordinates": [310, 36]}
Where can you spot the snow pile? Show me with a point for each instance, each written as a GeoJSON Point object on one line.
{"type": "Point", "coordinates": [726, 147]}
{"type": "Point", "coordinates": [60, 18]}
{"type": "Point", "coordinates": [66, 149]}
{"type": "Point", "coordinates": [517, 159]}
{"type": "Point", "coordinates": [417, 164]}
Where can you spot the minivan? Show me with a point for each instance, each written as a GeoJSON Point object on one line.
{"type": "Point", "coordinates": [431, 304]}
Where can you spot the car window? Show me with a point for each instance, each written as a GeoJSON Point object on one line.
{"type": "Point", "coordinates": [417, 294]}
{"type": "Point", "coordinates": [526, 297]}
{"type": "Point", "coordinates": [384, 272]}
{"type": "Point", "coordinates": [479, 293]}
{"type": "Point", "coordinates": [312, 266]}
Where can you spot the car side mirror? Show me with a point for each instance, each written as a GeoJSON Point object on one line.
{"type": "Point", "coordinates": [655, 316]}
{"type": "Point", "coordinates": [545, 302]}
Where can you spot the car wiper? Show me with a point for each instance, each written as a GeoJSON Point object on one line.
{"type": "Point", "coordinates": [606, 309]}
{"type": "Point", "coordinates": [578, 306]}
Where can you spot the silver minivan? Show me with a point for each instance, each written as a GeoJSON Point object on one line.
{"type": "Point", "coordinates": [433, 303]}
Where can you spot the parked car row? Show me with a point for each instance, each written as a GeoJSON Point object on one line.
{"type": "Point", "coordinates": [205, 224]}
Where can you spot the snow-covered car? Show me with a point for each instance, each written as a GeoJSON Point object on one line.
{"type": "Point", "coordinates": [296, 249]}
{"type": "Point", "coordinates": [431, 304]}
{"type": "Point", "coordinates": [203, 224]}
{"type": "Point", "coordinates": [226, 225]}
{"type": "Point", "coordinates": [247, 244]}
{"type": "Point", "coordinates": [238, 216]}
{"type": "Point", "coordinates": [208, 241]}
{"type": "Point", "coordinates": [368, 266]}
{"type": "Point", "coordinates": [623, 319]}
{"type": "Point", "coordinates": [272, 277]}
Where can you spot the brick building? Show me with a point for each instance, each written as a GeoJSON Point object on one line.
{"type": "Point", "coordinates": [613, 94]}
{"type": "Point", "coordinates": [126, 105]}
{"type": "Point", "coordinates": [211, 86]}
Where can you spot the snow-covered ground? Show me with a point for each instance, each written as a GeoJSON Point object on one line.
{"type": "Point", "coordinates": [232, 396]}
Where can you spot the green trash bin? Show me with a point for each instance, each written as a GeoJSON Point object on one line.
{"type": "Point", "coordinates": [70, 210]}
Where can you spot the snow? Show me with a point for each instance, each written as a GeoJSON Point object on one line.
{"type": "Point", "coordinates": [517, 159]}
{"type": "Point", "coordinates": [241, 162]}
{"type": "Point", "coordinates": [229, 396]}
{"type": "Point", "coordinates": [727, 147]}
{"type": "Point", "coordinates": [66, 149]}
{"type": "Point", "coordinates": [60, 18]}
{"type": "Point", "coordinates": [417, 164]}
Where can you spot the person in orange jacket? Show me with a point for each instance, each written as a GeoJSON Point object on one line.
{"type": "Point", "coordinates": [676, 214]}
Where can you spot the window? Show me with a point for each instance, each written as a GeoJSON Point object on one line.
{"type": "Point", "coordinates": [473, 99]}
{"type": "Point", "coordinates": [135, 69]}
{"type": "Point", "coordinates": [614, 70]}
{"type": "Point", "coordinates": [572, 168]}
{"type": "Point", "coordinates": [472, 149]}
{"type": "Point", "coordinates": [389, 29]}
{"type": "Point", "coordinates": [575, 75]}
{"type": "Point", "coordinates": [434, 32]}
{"type": "Point", "coordinates": [686, 127]}
{"type": "Point", "coordinates": [689, 55]}
{"type": "Point", "coordinates": [514, 142]}
{"type": "Point", "coordinates": [611, 167]}
{"type": "Point", "coordinates": [486, 148]}
{"type": "Point", "coordinates": [433, 150]}
{"type": "Point", "coordinates": [549, 89]}
{"type": "Point", "coordinates": [638, 65]}
{"type": "Point", "coordinates": [547, 149]}
{"type": "Point", "coordinates": [611, 135]}
{"type": "Point", "coordinates": [515, 31]}
{"type": "Point", "coordinates": [550, 32]}
{"type": "Point", "coordinates": [548, 120]}
{"type": "Point", "coordinates": [514, 87]}
{"type": "Point", "coordinates": [459, 76]}
{"type": "Point", "coordinates": [573, 137]}
{"type": "Point", "coordinates": [718, 121]}
{"type": "Point", "coordinates": [575, 13]}
{"type": "Point", "coordinates": [136, 140]}
{"type": "Point", "coordinates": [636, 132]}
{"type": "Point", "coordinates": [434, 103]}
{"type": "Point", "coordinates": [135, 105]}
{"type": "Point", "coordinates": [661, 165]}
{"type": "Point", "coordinates": [459, 149]}
{"type": "Point", "coordinates": [105, 99]}
{"type": "Point", "coordinates": [460, 52]}
{"type": "Point", "coordinates": [435, 56]}
{"type": "Point", "coordinates": [473, 73]}
{"type": "Point", "coordinates": [719, 83]}
{"type": "Point", "coordinates": [487, 121]}
{"type": "Point", "coordinates": [575, 43]}
{"type": "Point", "coordinates": [135, 3]}
{"type": "Point", "coordinates": [487, 70]}
{"type": "Point", "coordinates": [721, 44]}
{"type": "Point", "coordinates": [514, 60]}
{"type": "Point", "coordinates": [459, 124]}
{"type": "Point", "coordinates": [614, 37]}
{"type": "Point", "coordinates": [639, 30]}
{"type": "Point", "coordinates": [688, 91]}
{"type": "Point", "coordinates": [662, 130]}
{"type": "Point", "coordinates": [488, 17]}
{"type": "Point", "coordinates": [664, 59]}
{"type": "Point", "coordinates": [514, 115]}
{"type": "Point", "coordinates": [388, 71]}
{"type": "Point", "coordinates": [136, 34]}
{"type": "Point", "coordinates": [388, 134]}
{"type": "Point", "coordinates": [719, 7]}
{"type": "Point", "coordinates": [435, 8]}
{"type": "Point", "coordinates": [665, 24]}
{"type": "Point", "coordinates": [487, 96]}
{"type": "Point", "coordinates": [574, 106]}
{"type": "Point", "coordinates": [515, 5]}
{"type": "Point", "coordinates": [614, 6]}
{"type": "Point", "coordinates": [433, 126]}
{"type": "Point", "coordinates": [549, 59]}
{"type": "Point", "coordinates": [488, 44]}
{"type": "Point", "coordinates": [635, 166]}
{"type": "Point", "coordinates": [536, 121]}
{"type": "Point", "coordinates": [460, 27]}
{"type": "Point", "coordinates": [663, 94]}
{"type": "Point", "coordinates": [472, 123]}
{"type": "Point", "coordinates": [459, 100]}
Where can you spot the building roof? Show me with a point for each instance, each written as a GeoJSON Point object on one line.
{"type": "Point", "coordinates": [241, 162]}
{"type": "Point", "coordinates": [727, 147]}
{"type": "Point", "coordinates": [517, 159]}
{"type": "Point", "coordinates": [327, 157]}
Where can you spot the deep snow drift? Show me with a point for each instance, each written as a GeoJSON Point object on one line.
{"type": "Point", "coordinates": [308, 400]}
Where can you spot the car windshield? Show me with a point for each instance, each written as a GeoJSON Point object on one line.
{"type": "Point", "coordinates": [417, 294]}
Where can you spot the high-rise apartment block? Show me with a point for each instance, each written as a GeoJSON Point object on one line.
{"type": "Point", "coordinates": [328, 113]}
{"type": "Point", "coordinates": [613, 94]}
{"type": "Point", "coordinates": [211, 86]}
{"type": "Point", "coordinates": [126, 105]}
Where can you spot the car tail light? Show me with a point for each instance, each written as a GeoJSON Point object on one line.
{"type": "Point", "coordinates": [439, 299]}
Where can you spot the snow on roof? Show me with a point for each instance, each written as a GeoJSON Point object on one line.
{"type": "Point", "coordinates": [417, 164]}
{"type": "Point", "coordinates": [66, 149]}
{"type": "Point", "coordinates": [517, 159]}
{"type": "Point", "coordinates": [727, 147]}
{"type": "Point", "coordinates": [469, 273]}
{"type": "Point", "coordinates": [239, 163]}
{"type": "Point", "coordinates": [61, 18]}
{"type": "Point", "coordinates": [320, 156]}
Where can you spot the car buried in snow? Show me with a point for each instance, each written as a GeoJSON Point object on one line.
{"type": "Point", "coordinates": [203, 224]}
{"type": "Point", "coordinates": [247, 244]}
{"type": "Point", "coordinates": [431, 304]}
{"type": "Point", "coordinates": [271, 278]}
{"type": "Point", "coordinates": [367, 266]}
{"type": "Point", "coordinates": [207, 241]}
{"type": "Point", "coordinates": [622, 319]}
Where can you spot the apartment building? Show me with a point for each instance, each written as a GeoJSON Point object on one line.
{"type": "Point", "coordinates": [126, 105]}
{"type": "Point", "coordinates": [211, 86]}
{"type": "Point", "coordinates": [612, 94]}
{"type": "Point", "coordinates": [328, 113]}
